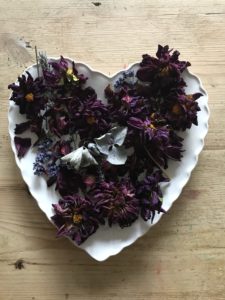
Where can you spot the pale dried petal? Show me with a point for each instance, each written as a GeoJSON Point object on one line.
{"type": "Point", "coordinates": [119, 135]}
{"type": "Point", "coordinates": [79, 158]}
{"type": "Point", "coordinates": [117, 156]}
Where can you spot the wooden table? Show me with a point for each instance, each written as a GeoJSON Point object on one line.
{"type": "Point", "coordinates": [183, 257]}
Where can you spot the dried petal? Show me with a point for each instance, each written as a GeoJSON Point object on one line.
{"type": "Point", "coordinates": [79, 158]}
{"type": "Point", "coordinates": [22, 145]}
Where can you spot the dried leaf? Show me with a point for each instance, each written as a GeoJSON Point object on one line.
{"type": "Point", "coordinates": [117, 156]}
{"type": "Point", "coordinates": [104, 142]}
{"type": "Point", "coordinates": [119, 135]}
{"type": "Point", "coordinates": [79, 158]}
{"type": "Point", "coordinates": [110, 144]}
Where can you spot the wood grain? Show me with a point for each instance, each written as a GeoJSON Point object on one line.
{"type": "Point", "coordinates": [183, 257]}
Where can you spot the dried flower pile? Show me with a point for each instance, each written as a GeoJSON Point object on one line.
{"type": "Point", "coordinates": [106, 160]}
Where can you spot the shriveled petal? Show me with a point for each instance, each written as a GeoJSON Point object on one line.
{"type": "Point", "coordinates": [22, 145]}
{"type": "Point", "coordinates": [20, 128]}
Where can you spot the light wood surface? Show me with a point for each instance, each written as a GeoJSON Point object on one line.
{"type": "Point", "coordinates": [183, 257]}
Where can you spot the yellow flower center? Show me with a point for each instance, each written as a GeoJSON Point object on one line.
{"type": "Point", "coordinates": [71, 76]}
{"type": "Point", "coordinates": [91, 120]}
{"type": "Point", "coordinates": [176, 109]}
{"type": "Point", "coordinates": [164, 71]}
{"type": "Point", "coordinates": [150, 126]}
{"type": "Point", "coordinates": [189, 97]}
{"type": "Point", "coordinates": [152, 115]}
{"type": "Point", "coordinates": [29, 97]}
{"type": "Point", "coordinates": [77, 218]}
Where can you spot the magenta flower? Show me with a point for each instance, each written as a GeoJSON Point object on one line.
{"type": "Point", "coordinates": [90, 117]}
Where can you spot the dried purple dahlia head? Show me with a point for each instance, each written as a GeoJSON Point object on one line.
{"type": "Point", "coordinates": [116, 201]}
{"type": "Point", "coordinates": [76, 217]}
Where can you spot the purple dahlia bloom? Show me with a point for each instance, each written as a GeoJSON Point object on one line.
{"type": "Point", "coordinates": [150, 195]}
{"type": "Point", "coordinates": [129, 106]}
{"type": "Point", "coordinates": [29, 95]}
{"type": "Point", "coordinates": [182, 110]}
{"type": "Point", "coordinates": [161, 73]}
{"type": "Point", "coordinates": [68, 181]}
{"type": "Point", "coordinates": [116, 201]}
{"type": "Point", "coordinates": [160, 142]}
{"type": "Point", "coordinates": [91, 117]}
{"type": "Point", "coordinates": [75, 217]}
{"type": "Point", "coordinates": [60, 72]}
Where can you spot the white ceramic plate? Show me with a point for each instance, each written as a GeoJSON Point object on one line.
{"type": "Point", "coordinates": [110, 241]}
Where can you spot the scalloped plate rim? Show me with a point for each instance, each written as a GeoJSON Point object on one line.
{"type": "Point", "coordinates": [111, 77]}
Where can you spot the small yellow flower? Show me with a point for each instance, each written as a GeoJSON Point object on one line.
{"type": "Point", "coordinates": [29, 97]}
{"type": "Point", "coordinates": [71, 76]}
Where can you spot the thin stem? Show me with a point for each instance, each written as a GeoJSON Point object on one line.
{"type": "Point", "coordinates": [163, 170]}
{"type": "Point", "coordinates": [36, 54]}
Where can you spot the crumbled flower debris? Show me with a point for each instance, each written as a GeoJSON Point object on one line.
{"type": "Point", "coordinates": [106, 160]}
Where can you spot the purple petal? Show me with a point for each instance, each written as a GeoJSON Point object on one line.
{"type": "Point", "coordinates": [22, 145]}
{"type": "Point", "coordinates": [20, 128]}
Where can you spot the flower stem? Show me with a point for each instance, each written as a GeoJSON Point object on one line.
{"type": "Point", "coordinates": [150, 156]}
{"type": "Point", "coordinates": [36, 55]}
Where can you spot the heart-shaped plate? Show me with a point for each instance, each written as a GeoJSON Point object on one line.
{"type": "Point", "coordinates": [110, 241]}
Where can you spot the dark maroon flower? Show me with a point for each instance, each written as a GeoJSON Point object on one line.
{"type": "Point", "coordinates": [90, 117]}
{"type": "Point", "coordinates": [75, 217]}
{"type": "Point", "coordinates": [166, 68]}
{"type": "Point", "coordinates": [150, 195]}
{"type": "Point", "coordinates": [55, 74]}
{"type": "Point", "coordinates": [182, 110]}
{"type": "Point", "coordinates": [160, 142]}
{"type": "Point", "coordinates": [29, 95]}
{"type": "Point", "coordinates": [22, 145]}
{"type": "Point", "coordinates": [68, 181]}
{"type": "Point", "coordinates": [117, 202]}
{"type": "Point", "coordinates": [125, 102]}
{"type": "Point", "coordinates": [161, 73]}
